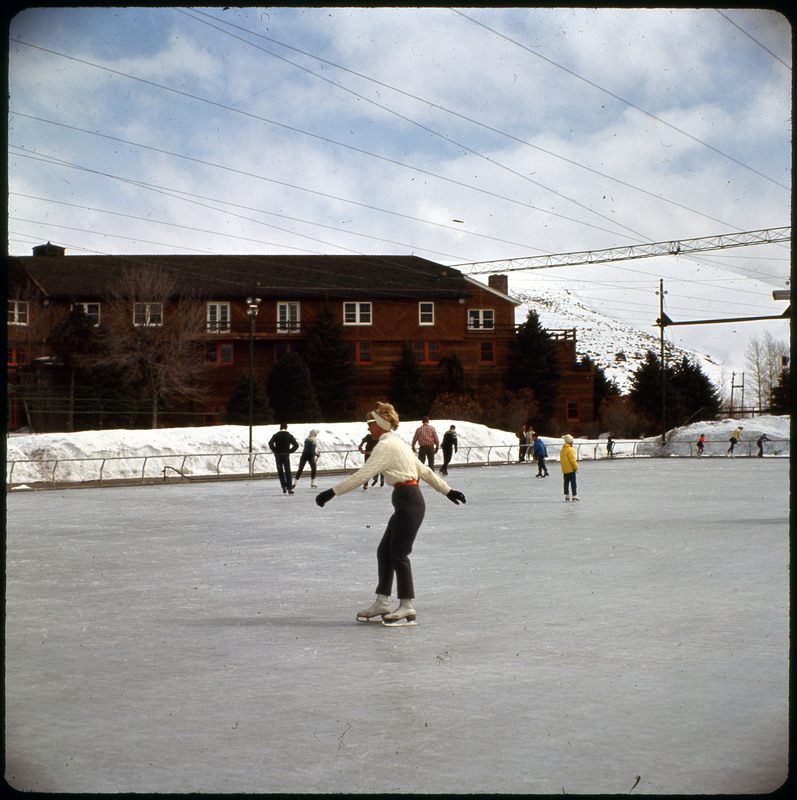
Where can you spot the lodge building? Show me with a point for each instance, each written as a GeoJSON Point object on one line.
{"type": "Point", "coordinates": [380, 301]}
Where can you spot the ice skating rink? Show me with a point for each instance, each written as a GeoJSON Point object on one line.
{"type": "Point", "coordinates": [201, 637]}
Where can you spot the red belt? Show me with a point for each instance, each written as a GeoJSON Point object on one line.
{"type": "Point", "coordinates": [406, 483]}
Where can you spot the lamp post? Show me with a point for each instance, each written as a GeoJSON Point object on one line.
{"type": "Point", "coordinates": [663, 321]}
{"type": "Point", "coordinates": [252, 305]}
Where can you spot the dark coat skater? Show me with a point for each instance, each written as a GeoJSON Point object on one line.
{"type": "Point", "coordinates": [282, 444]}
{"type": "Point", "coordinates": [449, 447]}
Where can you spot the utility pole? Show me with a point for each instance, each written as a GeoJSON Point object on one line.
{"type": "Point", "coordinates": [662, 322]}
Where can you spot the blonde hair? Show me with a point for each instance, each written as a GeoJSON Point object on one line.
{"type": "Point", "coordinates": [388, 413]}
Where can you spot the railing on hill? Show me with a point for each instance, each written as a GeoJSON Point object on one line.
{"type": "Point", "coordinates": [49, 472]}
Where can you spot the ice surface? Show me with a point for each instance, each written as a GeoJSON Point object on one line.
{"type": "Point", "coordinates": [201, 637]}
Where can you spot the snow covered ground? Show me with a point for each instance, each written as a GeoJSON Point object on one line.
{"type": "Point", "coordinates": [223, 450]}
{"type": "Point", "coordinates": [200, 637]}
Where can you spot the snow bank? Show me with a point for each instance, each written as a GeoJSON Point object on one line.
{"type": "Point", "coordinates": [223, 449]}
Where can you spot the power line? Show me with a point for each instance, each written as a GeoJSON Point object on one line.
{"type": "Point", "coordinates": [624, 101]}
{"type": "Point", "coordinates": [753, 39]}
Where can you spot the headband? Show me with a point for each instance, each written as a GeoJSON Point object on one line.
{"type": "Point", "coordinates": [381, 422]}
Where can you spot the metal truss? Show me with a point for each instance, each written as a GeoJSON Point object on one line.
{"type": "Point", "coordinates": [673, 248]}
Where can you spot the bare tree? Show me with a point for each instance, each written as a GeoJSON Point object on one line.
{"type": "Point", "coordinates": [764, 360]}
{"type": "Point", "coordinates": [154, 338]}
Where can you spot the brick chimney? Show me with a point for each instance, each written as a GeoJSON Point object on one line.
{"type": "Point", "coordinates": [49, 250]}
{"type": "Point", "coordinates": [499, 282]}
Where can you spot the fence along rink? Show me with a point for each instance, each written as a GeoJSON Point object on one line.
{"type": "Point", "coordinates": [44, 472]}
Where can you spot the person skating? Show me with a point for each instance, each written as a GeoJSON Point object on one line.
{"type": "Point", "coordinates": [309, 456]}
{"type": "Point", "coordinates": [760, 442]}
{"type": "Point", "coordinates": [366, 445]}
{"type": "Point", "coordinates": [734, 440]}
{"type": "Point", "coordinates": [701, 443]}
{"type": "Point", "coordinates": [426, 439]}
{"type": "Point", "coordinates": [569, 464]}
{"type": "Point", "coordinates": [449, 447]}
{"type": "Point", "coordinates": [282, 444]}
{"type": "Point", "coordinates": [539, 453]}
{"type": "Point", "coordinates": [395, 459]}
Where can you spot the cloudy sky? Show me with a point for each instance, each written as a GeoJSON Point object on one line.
{"type": "Point", "coordinates": [459, 135]}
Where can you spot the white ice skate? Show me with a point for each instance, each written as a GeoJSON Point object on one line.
{"type": "Point", "coordinates": [379, 608]}
{"type": "Point", "coordinates": [403, 616]}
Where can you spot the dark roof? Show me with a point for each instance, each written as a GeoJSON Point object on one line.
{"type": "Point", "coordinates": [81, 276]}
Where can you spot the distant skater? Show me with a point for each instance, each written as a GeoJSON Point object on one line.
{"type": "Point", "coordinates": [701, 443]}
{"type": "Point", "coordinates": [569, 465]}
{"type": "Point", "coordinates": [610, 447]}
{"type": "Point", "coordinates": [734, 440]}
{"type": "Point", "coordinates": [282, 444]}
{"type": "Point", "coordinates": [760, 442]}
{"type": "Point", "coordinates": [309, 456]}
{"type": "Point", "coordinates": [539, 453]}
{"type": "Point", "coordinates": [428, 443]}
{"type": "Point", "coordinates": [365, 447]}
{"type": "Point", "coordinates": [396, 460]}
{"type": "Point", "coordinates": [449, 447]}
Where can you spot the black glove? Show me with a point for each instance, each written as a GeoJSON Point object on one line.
{"type": "Point", "coordinates": [456, 497]}
{"type": "Point", "coordinates": [324, 497]}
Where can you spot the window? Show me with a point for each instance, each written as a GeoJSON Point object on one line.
{"type": "Point", "coordinates": [486, 353]}
{"type": "Point", "coordinates": [426, 313]}
{"type": "Point", "coordinates": [218, 317]}
{"type": "Point", "coordinates": [572, 409]}
{"type": "Point", "coordinates": [147, 315]}
{"type": "Point", "coordinates": [481, 319]}
{"type": "Point", "coordinates": [92, 312]}
{"type": "Point", "coordinates": [287, 317]}
{"type": "Point", "coordinates": [356, 313]}
{"type": "Point", "coordinates": [427, 352]}
{"type": "Point", "coordinates": [17, 312]}
{"type": "Point", "coordinates": [359, 352]}
{"type": "Point", "coordinates": [16, 355]}
{"type": "Point", "coordinates": [218, 353]}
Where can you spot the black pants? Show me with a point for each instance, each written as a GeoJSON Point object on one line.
{"type": "Point", "coordinates": [392, 555]}
{"type": "Point", "coordinates": [284, 470]}
{"type": "Point", "coordinates": [306, 460]}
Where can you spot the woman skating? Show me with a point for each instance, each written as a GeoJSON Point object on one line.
{"type": "Point", "coordinates": [395, 460]}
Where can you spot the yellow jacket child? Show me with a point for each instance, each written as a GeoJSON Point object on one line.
{"type": "Point", "coordinates": [569, 465]}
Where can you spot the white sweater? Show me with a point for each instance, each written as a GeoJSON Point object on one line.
{"type": "Point", "coordinates": [394, 458]}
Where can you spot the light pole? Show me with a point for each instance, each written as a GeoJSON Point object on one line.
{"type": "Point", "coordinates": [663, 321]}
{"type": "Point", "coordinates": [252, 305]}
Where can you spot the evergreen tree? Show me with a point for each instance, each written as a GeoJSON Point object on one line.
{"type": "Point", "coordinates": [689, 394]}
{"type": "Point", "coordinates": [602, 387]}
{"type": "Point", "coordinates": [695, 397]}
{"type": "Point", "coordinates": [645, 390]}
{"type": "Point", "coordinates": [780, 400]}
{"type": "Point", "coordinates": [408, 391]}
{"type": "Point", "coordinates": [534, 364]}
{"type": "Point", "coordinates": [291, 392]}
{"type": "Point", "coordinates": [94, 389]}
{"type": "Point", "coordinates": [452, 376]}
{"type": "Point", "coordinates": [238, 403]}
{"type": "Point", "coordinates": [332, 372]}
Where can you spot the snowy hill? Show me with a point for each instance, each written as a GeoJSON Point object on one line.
{"type": "Point", "coordinates": [616, 348]}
